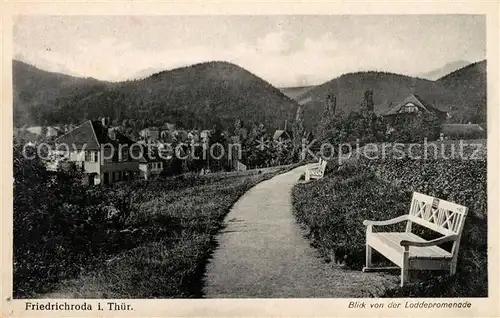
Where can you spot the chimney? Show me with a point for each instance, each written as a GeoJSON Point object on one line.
{"type": "Point", "coordinates": [112, 134]}
{"type": "Point", "coordinates": [105, 121]}
{"type": "Point", "coordinates": [286, 122]}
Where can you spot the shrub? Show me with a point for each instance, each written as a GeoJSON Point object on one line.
{"type": "Point", "coordinates": [334, 208]}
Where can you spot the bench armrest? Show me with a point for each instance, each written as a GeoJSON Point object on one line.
{"type": "Point", "coordinates": [314, 166]}
{"type": "Point", "coordinates": [431, 242]}
{"type": "Point", "coordinates": [401, 218]}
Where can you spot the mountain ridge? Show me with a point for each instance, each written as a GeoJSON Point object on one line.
{"type": "Point", "coordinates": [198, 95]}
{"type": "Point", "coordinates": [448, 68]}
{"type": "Point", "coordinates": [203, 93]}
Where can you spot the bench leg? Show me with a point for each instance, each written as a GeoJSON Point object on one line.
{"type": "Point", "coordinates": [404, 268]}
{"type": "Point", "coordinates": [453, 268]}
{"type": "Point", "coordinates": [368, 262]}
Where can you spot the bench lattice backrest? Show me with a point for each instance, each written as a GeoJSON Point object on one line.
{"type": "Point", "coordinates": [446, 218]}
{"type": "Point", "coordinates": [439, 215]}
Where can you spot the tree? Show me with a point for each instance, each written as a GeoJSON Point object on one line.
{"type": "Point", "coordinates": [328, 119]}
{"type": "Point", "coordinates": [298, 132]}
{"type": "Point", "coordinates": [368, 101]}
{"type": "Point", "coordinates": [257, 149]}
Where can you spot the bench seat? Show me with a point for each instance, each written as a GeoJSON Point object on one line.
{"type": "Point", "coordinates": [390, 242]}
{"type": "Point", "coordinates": [428, 257]}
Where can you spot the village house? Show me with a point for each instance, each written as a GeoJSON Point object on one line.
{"type": "Point", "coordinates": [111, 164]}
{"type": "Point", "coordinates": [150, 133]}
{"type": "Point", "coordinates": [205, 136]}
{"type": "Point", "coordinates": [283, 135]}
{"type": "Point", "coordinates": [414, 104]}
{"type": "Point", "coordinates": [181, 135]}
{"type": "Point", "coordinates": [194, 136]}
{"type": "Point", "coordinates": [462, 131]}
{"type": "Point", "coordinates": [151, 164]}
{"type": "Point", "coordinates": [167, 136]}
{"type": "Point", "coordinates": [45, 131]}
{"type": "Point", "coordinates": [168, 126]}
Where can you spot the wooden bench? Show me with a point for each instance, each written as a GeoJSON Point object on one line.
{"type": "Point", "coordinates": [316, 171]}
{"type": "Point", "coordinates": [411, 252]}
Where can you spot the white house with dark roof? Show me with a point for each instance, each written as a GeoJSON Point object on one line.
{"type": "Point", "coordinates": [102, 153]}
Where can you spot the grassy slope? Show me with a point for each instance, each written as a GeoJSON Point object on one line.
{"type": "Point", "coordinates": [334, 208]}
{"type": "Point", "coordinates": [175, 229]}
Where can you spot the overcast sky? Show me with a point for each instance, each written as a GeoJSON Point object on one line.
{"type": "Point", "coordinates": [284, 50]}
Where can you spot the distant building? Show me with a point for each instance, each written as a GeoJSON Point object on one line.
{"type": "Point", "coordinates": [151, 164]}
{"type": "Point", "coordinates": [282, 135]}
{"type": "Point", "coordinates": [37, 130]}
{"type": "Point", "coordinates": [194, 136]}
{"type": "Point", "coordinates": [45, 131]}
{"type": "Point", "coordinates": [205, 135]}
{"type": "Point", "coordinates": [84, 144]}
{"type": "Point", "coordinates": [462, 131]}
{"type": "Point", "coordinates": [240, 166]}
{"type": "Point", "coordinates": [167, 136]}
{"type": "Point", "coordinates": [181, 135]}
{"type": "Point", "coordinates": [53, 132]}
{"type": "Point", "coordinates": [168, 126]}
{"type": "Point", "coordinates": [150, 133]}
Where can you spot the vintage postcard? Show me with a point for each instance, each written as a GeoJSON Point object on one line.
{"type": "Point", "coordinates": [241, 159]}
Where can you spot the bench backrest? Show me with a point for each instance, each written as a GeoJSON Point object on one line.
{"type": "Point", "coordinates": [444, 217]}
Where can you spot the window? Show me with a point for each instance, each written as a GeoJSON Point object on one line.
{"type": "Point", "coordinates": [109, 154]}
{"type": "Point", "coordinates": [124, 153]}
{"type": "Point", "coordinates": [91, 156]}
{"type": "Point", "coordinates": [409, 108]}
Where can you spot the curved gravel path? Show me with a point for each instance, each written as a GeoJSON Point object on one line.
{"type": "Point", "coordinates": [262, 253]}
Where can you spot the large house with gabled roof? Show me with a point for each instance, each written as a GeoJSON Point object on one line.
{"type": "Point", "coordinates": [414, 104]}
{"type": "Point", "coordinates": [102, 153]}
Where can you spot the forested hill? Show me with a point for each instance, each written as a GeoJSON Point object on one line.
{"type": "Point", "coordinates": [195, 96]}
{"type": "Point", "coordinates": [36, 93]}
{"type": "Point", "coordinates": [461, 93]}
{"type": "Point", "coordinates": [469, 88]}
{"type": "Point", "coordinates": [387, 88]}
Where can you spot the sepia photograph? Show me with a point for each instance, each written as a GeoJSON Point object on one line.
{"type": "Point", "coordinates": [249, 156]}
